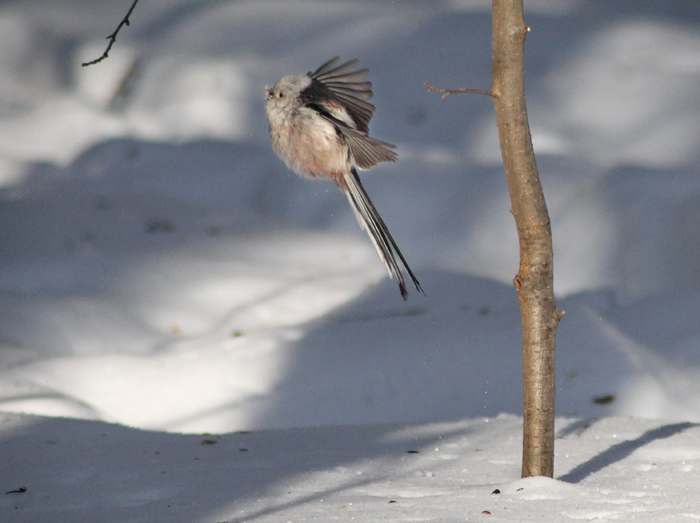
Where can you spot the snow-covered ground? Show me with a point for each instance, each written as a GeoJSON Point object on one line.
{"type": "Point", "coordinates": [611, 469]}
{"type": "Point", "coordinates": [161, 269]}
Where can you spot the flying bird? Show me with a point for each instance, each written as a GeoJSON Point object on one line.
{"type": "Point", "coordinates": [319, 126]}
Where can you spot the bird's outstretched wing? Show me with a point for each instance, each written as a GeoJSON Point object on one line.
{"type": "Point", "coordinates": [348, 84]}
{"type": "Point", "coordinates": [339, 93]}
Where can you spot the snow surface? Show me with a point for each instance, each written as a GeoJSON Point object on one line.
{"type": "Point", "coordinates": [161, 269]}
{"type": "Point", "coordinates": [617, 469]}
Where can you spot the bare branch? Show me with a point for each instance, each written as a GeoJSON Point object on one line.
{"type": "Point", "coordinates": [113, 37]}
{"type": "Point", "coordinates": [461, 90]}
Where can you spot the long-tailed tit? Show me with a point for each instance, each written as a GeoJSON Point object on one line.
{"type": "Point", "coordinates": [319, 127]}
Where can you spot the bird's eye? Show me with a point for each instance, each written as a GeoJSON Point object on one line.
{"type": "Point", "coordinates": [280, 94]}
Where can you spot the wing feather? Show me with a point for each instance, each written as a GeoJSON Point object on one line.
{"type": "Point", "coordinates": [347, 83]}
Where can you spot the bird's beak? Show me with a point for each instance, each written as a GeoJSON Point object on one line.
{"type": "Point", "coordinates": [268, 91]}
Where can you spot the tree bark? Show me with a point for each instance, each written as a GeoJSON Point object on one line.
{"type": "Point", "coordinates": [534, 281]}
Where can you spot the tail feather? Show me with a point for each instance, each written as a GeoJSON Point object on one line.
{"type": "Point", "coordinates": [378, 232]}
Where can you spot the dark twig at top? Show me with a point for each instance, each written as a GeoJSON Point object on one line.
{"type": "Point", "coordinates": [113, 37]}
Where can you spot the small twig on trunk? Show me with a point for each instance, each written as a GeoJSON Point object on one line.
{"type": "Point", "coordinates": [461, 90]}
{"type": "Point", "coordinates": [113, 37]}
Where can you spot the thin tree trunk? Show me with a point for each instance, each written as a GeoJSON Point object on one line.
{"type": "Point", "coordinates": [534, 280]}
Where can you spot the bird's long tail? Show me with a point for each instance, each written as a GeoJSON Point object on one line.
{"type": "Point", "coordinates": [378, 232]}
